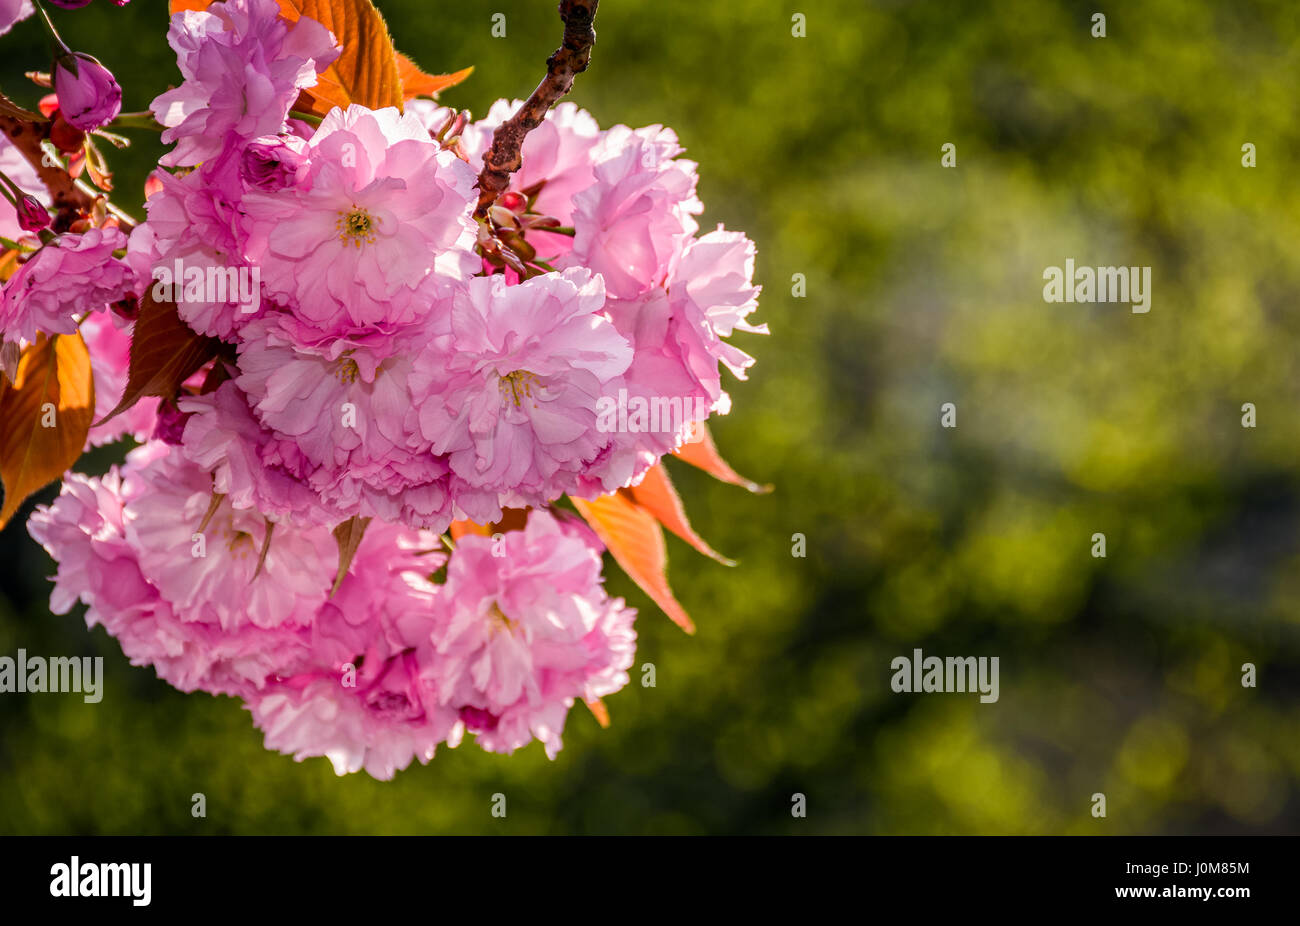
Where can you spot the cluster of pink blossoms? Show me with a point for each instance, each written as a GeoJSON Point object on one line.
{"type": "Point", "coordinates": [380, 365]}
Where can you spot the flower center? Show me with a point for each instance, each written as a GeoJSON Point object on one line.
{"type": "Point", "coordinates": [356, 226]}
{"type": "Point", "coordinates": [240, 544]}
{"type": "Point", "coordinates": [345, 368]}
{"type": "Point", "coordinates": [517, 386]}
{"type": "Point", "coordinates": [499, 619]}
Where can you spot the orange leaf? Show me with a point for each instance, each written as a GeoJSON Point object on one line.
{"type": "Point", "coordinates": [417, 83]}
{"type": "Point", "coordinates": [164, 353]}
{"type": "Point", "coordinates": [656, 495]}
{"type": "Point", "coordinates": [636, 542]}
{"type": "Point", "coordinates": [704, 454]}
{"type": "Point", "coordinates": [44, 416]}
{"type": "Point", "coordinates": [512, 519]}
{"type": "Point", "coordinates": [598, 710]}
{"type": "Point", "coordinates": [366, 72]}
{"type": "Point", "coordinates": [459, 529]}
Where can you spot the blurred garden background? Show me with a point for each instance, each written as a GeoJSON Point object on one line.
{"type": "Point", "coordinates": [924, 285]}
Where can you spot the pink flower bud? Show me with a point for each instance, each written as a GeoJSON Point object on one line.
{"type": "Point", "coordinates": [171, 424]}
{"type": "Point", "coordinates": [512, 201]}
{"type": "Point", "coordinates": [32, 216]}
{"type": "Point", "coordinates": [273, 162]}
{"type": "Point", "coordinates": [89, 97]}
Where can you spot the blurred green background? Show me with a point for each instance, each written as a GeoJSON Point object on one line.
{"type": "Point", "coordinates": [924, 286]}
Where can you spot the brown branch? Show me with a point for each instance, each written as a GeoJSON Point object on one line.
{"type": "Point", "coordinates": [569, 60]}
{"type": "Point", "coordinates": [68, 197]}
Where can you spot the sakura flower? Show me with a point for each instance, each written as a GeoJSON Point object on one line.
{"type": "Point", "coordinates": [712, 293]}
{"type": "Point", "coordinates": [632, 222]}
{"type": "Point", "coordinates": [382, 208]}
{"type": "Point", "coordinates": [510, 393]}
{"type": "Point", "coordinates": [243, 65]}
{"type": "Point", "coordinates": [229, 584]}
{"type": "Point", "coordinates": [85, 531]}
{"type": "Point", "coordinates": [249, 464]}
{"type": "Point", "coordinates": [333, 402]}
{"type": "Point", "coordinates": [72, 275]}
{"type": "Point", "coordinates": [345, 412]}
{"type": "Point", "coordinates": [362, 703]}
{"type": "Point", "coordinates": [523, 635]}
{"type": "Point", "coordinates": [190, 251]}
{"type": "Point", "coordinates": [677, 332]}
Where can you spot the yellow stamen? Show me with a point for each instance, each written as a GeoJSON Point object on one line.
{"type": "Point", "coordinates": [346, 370]}
{"type": "Point", "coordinates": [517, 382]}
{"type": "Point", "coordinates": [356, 226]}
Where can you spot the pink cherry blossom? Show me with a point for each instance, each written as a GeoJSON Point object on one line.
{"type": "Point", "coordinates": [523, 635]}
{"type": "Point", "coordinates": [382, 209]}
{"type": "Point", "coordinates": [190, 251]}
{"type": "Point", "coordinates": [632, 223]}
{"type": "Point", "coordinates": [274, 162]}
{"type": "Point", "coordinates": [85, 531]}
{"type": "Point", "coordinates": [243, 65]}
{"type": "Point", "coordinates": [249, 464]}
{"type": "Point", "coordinates": [171, 501]}
{"type": "Point", "coordinates": [70, 276]}
{"type": "Point", "coordinates": [712, 294]}
{"type": "Point", "coordinates": [509, 394]}
{"type": "Point", "coordinates": [346, 413]}
{"type": "Point", "coordinates": [361, 702]}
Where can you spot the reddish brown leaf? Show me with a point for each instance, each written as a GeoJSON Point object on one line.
{"type": "Point", "coordinates": [44, 416]}
{"type": "Point", "coordinates": [164, 353]}
{"type": "Point", "coordinates": [348, 536]}
{"type": "Point", "coordinates": [417, 83]}
{"type": "Point", "coordinates": [704, 454]}
{"type": "Point", "coordinates": [636, 542]}
{"type": "Point", "coordinates": [656, 495]}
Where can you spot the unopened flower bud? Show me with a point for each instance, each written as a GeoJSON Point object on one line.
{"type": "Point", "coordinates": [512, 201]}
{"type": "Point", "coordinates": [171, 423]}
{"type": "Point", "coordinates": [32, 216]}
{"type": "Point", "coordinates": [274, 162]}
{"type": "Point", "coordinates": [89, 97]}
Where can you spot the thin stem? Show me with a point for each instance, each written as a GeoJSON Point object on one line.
{"type": "Point", "coordinates": [48, 25]}
{"type": "Point", "coordinates": [144, 120]}
{"type": "Point", "coordinates": [10, 189]}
